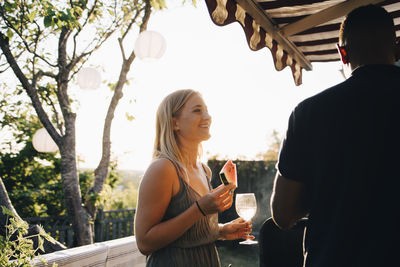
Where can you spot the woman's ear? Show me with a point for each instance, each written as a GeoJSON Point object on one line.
{"type": "Point", "coordinates": [343, 54]}
{"type": "Point", "coordinates": [175, 124]}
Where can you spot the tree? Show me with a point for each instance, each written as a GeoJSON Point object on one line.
{"type": "Point", "coordinates": [33, 177]}
{"type": "Point", "coordinates": [43, 42]}
{"type": "Point", "coordinates": [271, 155]}
{"type": "Point", "coordinates": [32, 231]}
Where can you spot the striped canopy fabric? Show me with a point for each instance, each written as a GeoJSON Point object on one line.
{"type": "Point", "coordinates": [297, 32]}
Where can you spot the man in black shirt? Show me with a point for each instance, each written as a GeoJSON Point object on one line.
{"type": "Point", "coordinates": [338, 163]}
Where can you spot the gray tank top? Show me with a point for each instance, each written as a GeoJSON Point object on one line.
{"type": "Point", "coordinates": [196, 246]}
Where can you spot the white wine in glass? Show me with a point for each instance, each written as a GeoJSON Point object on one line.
{"type": "Point", "coordinates": [246, 207]}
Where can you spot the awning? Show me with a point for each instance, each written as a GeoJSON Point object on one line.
{"type": "Point", "coordinates": [297, 32]}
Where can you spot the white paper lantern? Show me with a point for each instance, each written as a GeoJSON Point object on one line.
{"type": "Point", "coordinates": [43, 142]}
{"type": "Point", "coordinates": [89, 79]}
{"type": "Point", "coordinates": [150, 45]}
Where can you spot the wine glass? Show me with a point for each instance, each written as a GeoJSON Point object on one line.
{"type": "Point", "coordinates": [246, 207]}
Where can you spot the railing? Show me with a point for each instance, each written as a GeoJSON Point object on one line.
{"type": "Point", "coordinates": [114, 253]}
{"type": "Point", "coordinates": [113, 224]}
{"type": "Point", "coordinates": [108, 225]}
{"type": "Point", "coordinates": [58, 226]}
{"type": "Point", "coordinates": [253, 176]}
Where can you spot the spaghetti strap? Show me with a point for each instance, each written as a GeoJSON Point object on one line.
{"type": "Point", "coordinates": [208, 178]}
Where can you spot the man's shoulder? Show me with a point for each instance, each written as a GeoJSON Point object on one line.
{"type": "Point", "coordinates": [325, 97]}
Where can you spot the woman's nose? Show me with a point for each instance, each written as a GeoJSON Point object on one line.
{"type": "Point", "coordinates": [206, 115]}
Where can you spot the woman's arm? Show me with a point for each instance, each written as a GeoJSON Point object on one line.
{"type": "Point", "coordinates": [155, 192]}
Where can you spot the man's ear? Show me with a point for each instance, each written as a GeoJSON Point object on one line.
{"type": "Point", "coordinates": [397, 50]}
{"type": "Point", "coordinates": [343, 54]}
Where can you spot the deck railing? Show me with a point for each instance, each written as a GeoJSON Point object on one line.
{"type": "Point", "coordinates": [114, 224]}
{"type": "Point", "coordinates": [108, 225]}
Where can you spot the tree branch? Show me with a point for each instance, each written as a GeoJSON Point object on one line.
{"type": "Point", "coordinates": [27, 46]}
{"type": "Point", "coordinates": [40, 74]}
{"type": "Point", "coordinates": [101, 171]}
{"type": "Point", "coordinates": [49, 246]}
{"type": "Point", "coordinates": [31, 91]}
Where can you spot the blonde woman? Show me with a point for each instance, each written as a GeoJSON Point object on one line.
{"type": "Point", "coordinates": [176, 220]}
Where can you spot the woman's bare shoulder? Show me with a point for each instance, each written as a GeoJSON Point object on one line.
{"type": "Point", "coordinates": [160, 169]}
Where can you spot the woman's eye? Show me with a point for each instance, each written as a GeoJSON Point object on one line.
{"type": "Point", "coordinates": [197, 110]}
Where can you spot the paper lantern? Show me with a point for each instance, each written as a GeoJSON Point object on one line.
{"type": "Point", "coordinates": [150, 45]}
{"type": "Point", "coordinates": [89, 79]}
{"type": "Point", "coordinates": [43, 142]}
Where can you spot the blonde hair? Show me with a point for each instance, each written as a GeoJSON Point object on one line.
{"type": "Point", "coordinates": [166, 143]}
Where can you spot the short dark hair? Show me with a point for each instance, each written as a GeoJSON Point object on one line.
{"type": "Point", "coordinates": [367, 28]}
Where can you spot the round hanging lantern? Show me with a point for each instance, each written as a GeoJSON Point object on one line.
{"type": "Point", "coordinates": [150, 45]}
{"type": "Point", "coordinates": [43, 142]}
{"type": "Point", "coordinates": [89, 79]}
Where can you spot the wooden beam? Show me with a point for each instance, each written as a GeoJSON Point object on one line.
{"type": "Point", "coordinates": [258, 14]}
{"type": "Point", "coordinates": [325, 15]}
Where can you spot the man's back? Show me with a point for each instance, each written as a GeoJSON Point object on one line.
{"type": "Point", "coordinates": [338, 163]}
{"type": "Point", "coordinates": [352, 148]}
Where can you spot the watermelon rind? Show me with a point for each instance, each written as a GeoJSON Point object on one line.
{"type": "Point", "coordinates": [225, 173]}
{"type": "Point", "coordinates": [223, 178]}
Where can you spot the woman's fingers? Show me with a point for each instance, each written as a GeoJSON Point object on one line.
{"type": "Point", "coordinates": [218, 199]}
{"type": "Point", "coordinates": [222, 197]}
{"type": "Point", "coordinates": [222, 189]}
{"type": "Point", "coordinates": [238, 229]}
{"type": "Point", "coordinates": [227, 201]}
{"type": "Point", "coordinates": [217, 188]}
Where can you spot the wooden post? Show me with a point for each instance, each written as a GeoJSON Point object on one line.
{"type": "Point", "coordinates": [99, 226]}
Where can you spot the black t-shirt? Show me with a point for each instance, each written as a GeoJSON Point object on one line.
{"type": "Point", "coordinates": [344, 145]}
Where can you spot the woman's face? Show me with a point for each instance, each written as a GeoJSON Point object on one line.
{"type": "Point", "coordinates": [193, 122]}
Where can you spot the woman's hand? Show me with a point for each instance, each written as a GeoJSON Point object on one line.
{"type": "Point", "coordinates": [236, 229]}
{"type": "Point", "coordinates": [218, 200]}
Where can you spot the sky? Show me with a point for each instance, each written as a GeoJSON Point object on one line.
{"type": "Point", "coordinates": [246, 97]}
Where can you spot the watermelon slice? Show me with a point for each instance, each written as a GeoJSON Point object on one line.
{"type": "Point", "coordinates": [228, 173]}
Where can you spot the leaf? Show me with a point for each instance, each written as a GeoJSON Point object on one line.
{"type": "Point", "coordinates": [9, 33]}
{"type": "Point", "coordinates": [40, 243]}
{"type": "Point", "coordinates": [43, 233]}
{"type": "Point", "coordinates": [47, 21]}
{"type": "Point", "coordinates": [31, 16]}
{"type": "Point", "coordinates": [158, 4]}
{"type": "Point", "coordinates": [7, 211]}
{"type": "Point", "coordinates": [129, 117]}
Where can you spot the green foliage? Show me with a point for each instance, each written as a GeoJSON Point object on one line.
{"type": "Point", "coordinates": [15, 117]}
{"type": "Point", "coordinates": [51, 40]}
{"type": "Point", "coordinates": [35, 28]}
{"type": "Point", "coordinates": [110, 183]}
{"type": "Point", "coordinates": [124, 193]}
{"type": "Point", "coordinates": [158, 4]}
{"type": "Point", "coordinates": [272, 152]}
{"type": "Point", "coordinates": [33, 179]}
{"type": "Point", "coordinates": [16, 248]}
{"type": "Point", "coordinates": [34, 183]}
{"type": "Point", "coordinates": [122, 198]}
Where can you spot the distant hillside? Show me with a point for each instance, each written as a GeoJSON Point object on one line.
{"type": "Point", "coordinates": [127, 176]}
{"type": "Point", "coordinates": [130, 176]}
